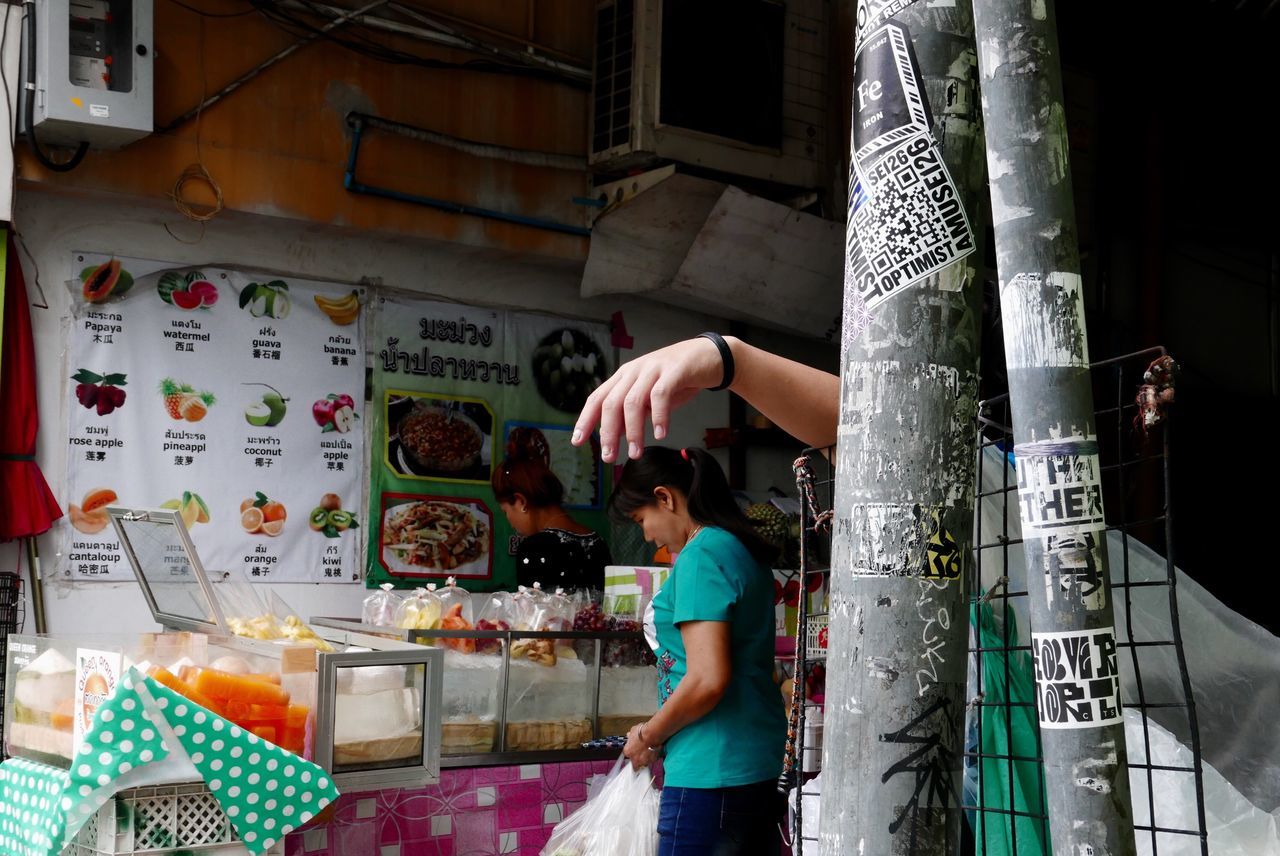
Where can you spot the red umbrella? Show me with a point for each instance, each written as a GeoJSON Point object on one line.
{"type": "Point", "coordinates": [27, 506]}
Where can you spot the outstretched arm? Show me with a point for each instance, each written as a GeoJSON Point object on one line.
{"type": "Point", "coordinates": [801, 400]}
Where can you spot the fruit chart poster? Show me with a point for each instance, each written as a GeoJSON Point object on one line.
{"type": "Point", "coordinates": [450, 384]}
{"type": "Point", "coordinates": [235, 398]}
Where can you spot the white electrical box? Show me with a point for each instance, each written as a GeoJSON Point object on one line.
{"type": "Point", "coordinates": [93, 72]}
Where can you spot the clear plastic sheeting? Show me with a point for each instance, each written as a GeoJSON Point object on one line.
{"type": "Point", "coordinates": [1235, 826]}
{"type": "Point", "coordinates": [1233, 664]}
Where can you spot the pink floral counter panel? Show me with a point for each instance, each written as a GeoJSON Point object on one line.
{"type": "Point", "coordinates": [482, 811]}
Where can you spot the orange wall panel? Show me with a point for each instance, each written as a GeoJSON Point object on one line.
{"type": "Point", "coordinates": [279, 145]}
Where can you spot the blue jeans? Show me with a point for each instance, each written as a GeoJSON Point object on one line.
{"type": "Point", "coordinates": [738, 821]}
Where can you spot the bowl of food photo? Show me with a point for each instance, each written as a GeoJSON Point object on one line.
{"type": "Point", "coordinates": [438, 439]}
{"type": "Point", "coordinates": [431, 536]}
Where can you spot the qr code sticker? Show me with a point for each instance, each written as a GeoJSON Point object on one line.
{"type": "Point", "coordinates": [902, 222]}
{"type": "Point", "coordinates": [907, 221]}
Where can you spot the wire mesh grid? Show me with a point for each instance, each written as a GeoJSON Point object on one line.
{"type": "Point", "coordinates": [1006, 799]}
{"type": "Point", "coordinates": [11, 606]}
{"type": "Point", "coordinates": [1007, 802]}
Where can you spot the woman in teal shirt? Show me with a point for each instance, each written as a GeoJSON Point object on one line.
{"type": "Point", "coordinates": [721, 727]}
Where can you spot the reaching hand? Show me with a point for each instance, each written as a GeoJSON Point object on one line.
{"type": "Point", "coordinates": [637, 751]}
{"type": "Point", "coordinates": [650, 386]}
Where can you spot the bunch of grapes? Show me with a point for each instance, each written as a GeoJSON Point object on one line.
{"type": "Point", "coordinates": [626, 652]}
{"type": "Point", "coordinates": [591, 619]}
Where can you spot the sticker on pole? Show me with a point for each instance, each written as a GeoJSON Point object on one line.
{"type": "Point", "coordinates": [1060, 493]}
{"type": "Point", "coordinates": [906, 218]}
{"type": "Point", "coordinates": [1077, 684]}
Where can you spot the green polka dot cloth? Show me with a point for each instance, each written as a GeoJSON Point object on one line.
{"type": "Point", "coordinates": [30, 820]}
{"type": "Point", "coordinates": [263, 790]}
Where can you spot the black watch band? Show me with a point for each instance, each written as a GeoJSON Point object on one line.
{"type": "Point", "coordinates": [726, 359]}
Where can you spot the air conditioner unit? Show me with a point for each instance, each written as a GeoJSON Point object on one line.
{"type": "Point", "coordinates": [736, 86]}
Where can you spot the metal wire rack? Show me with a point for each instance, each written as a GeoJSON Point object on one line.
{"type": "Point", "coordinates": [1138, 505]}
{"type": "Point", "coordinates": [11, 618]}
{"type": "Point", "coordinates": [1005, 802]}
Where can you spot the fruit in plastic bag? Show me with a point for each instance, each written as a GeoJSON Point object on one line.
{"type": "Point", "coordinates": [453, 620]}
{"type": "Point", "coordinates": [297, 630]}
{"type": "Point", "coordinates": [498, 613]}
{"type": "Point", "coordinates": [422, 611]}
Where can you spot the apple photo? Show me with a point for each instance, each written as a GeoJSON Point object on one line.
{"type": "Point", "coordinates": [335, 412]}
{"type": "Point", "coordinates": [268, 409]}
{"type": "Point", "coordinates": [436, 437]}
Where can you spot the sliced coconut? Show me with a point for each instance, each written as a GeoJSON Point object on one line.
{"type": "Point", "coordinates": [258, 414]}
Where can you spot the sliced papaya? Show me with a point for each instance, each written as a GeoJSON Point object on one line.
{"type": "Point", "coordinates": [100, 282]}
{"type": "Point", "coordinates": [99, 497]}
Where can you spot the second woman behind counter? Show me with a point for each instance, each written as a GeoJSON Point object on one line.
{"type": "Point", "coordinates": [555, 549]}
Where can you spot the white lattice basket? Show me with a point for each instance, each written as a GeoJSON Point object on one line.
{"type": "Point", "coordinates": [816, 633]}
{"type": "Point", "coordinates": [161, 819]}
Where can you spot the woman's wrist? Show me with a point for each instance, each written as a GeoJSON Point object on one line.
{"type": "Point", "coordinates": [646, 736]}
{"type": "Point", "coordinates": [738, 349]}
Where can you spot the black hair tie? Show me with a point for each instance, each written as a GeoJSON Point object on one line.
{"type": "Point", "coordinates": [726, 359]}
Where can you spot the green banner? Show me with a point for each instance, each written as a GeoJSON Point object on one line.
{"type": "Point", "coordinates": [450, 382]}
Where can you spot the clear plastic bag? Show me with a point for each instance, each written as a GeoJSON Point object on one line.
{"type": "Point", "coordinates": [293, 628]}
{"type": "Point", "coordinates": [528, 603]}
{"type": "Point", "coordinates": [455, 600]}
{"type": "Point", "coordinates": [455, 604]}
{"type": "Point", "coordinates": [588, 616]}
{"type": "Point", "coordinates": [553, 612]}
{"type": "Point", "coordinates": [246, 613]}
{"type": "Point", "coordinates": [625, 614]}
{"type": "Point", "coordinates": [421, 611]}
{"type": "Point", "coordinates": [543, 612]}
{"type": "Point", "coordinates": [379, 608]}
{"type": "Point", "coordinates": [498, 613]}
{"type": "Point", "coordinates": [620, 820]}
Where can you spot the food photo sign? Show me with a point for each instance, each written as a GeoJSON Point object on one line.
{"type": "Point", "coordinates": [450, 384]}
{"type": "Point", "coordinates": [232, 397]}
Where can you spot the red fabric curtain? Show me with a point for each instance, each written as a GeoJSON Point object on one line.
{"type": "Point", "coordinates": [27, 506]}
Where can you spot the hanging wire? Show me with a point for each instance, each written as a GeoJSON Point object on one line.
{"type": "Point", "coordinates": [205, 14]}
{"type": "Point", "coordinates": [197, 172]}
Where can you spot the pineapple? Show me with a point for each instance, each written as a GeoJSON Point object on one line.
{"type": "Point", "coordinates": [771, 522]}
{"type": "Point", "coordinates": [194, 407]}
{"type": "Point", "coordinates": [174, 394]}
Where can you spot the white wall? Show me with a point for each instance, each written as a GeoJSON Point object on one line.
{"type": "Point", "coordinates": [53, 225]}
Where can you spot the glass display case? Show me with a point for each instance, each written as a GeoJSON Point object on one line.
{"type": "Point", "coordinates": [365, 707]}
{"type": "Point", "coordinates": [518, 696]}
{"type": "Point", "coordinates": [54, 684]}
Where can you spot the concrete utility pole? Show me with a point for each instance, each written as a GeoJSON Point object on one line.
{"type": "Point", "coordinates": [903, 523]}
{"type": "Point", "coordinates": [1059, 479]}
